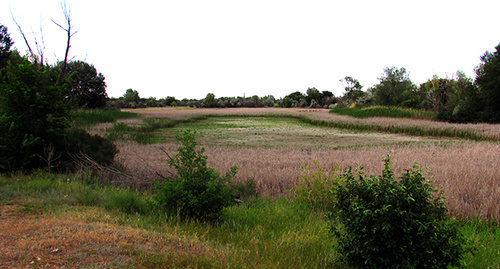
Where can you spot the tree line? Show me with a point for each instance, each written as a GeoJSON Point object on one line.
{"type": "Point", "coordinates": [454, 99]}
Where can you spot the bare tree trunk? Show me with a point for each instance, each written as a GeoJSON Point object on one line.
{"type": "Point", "coordinates": [67, 29]}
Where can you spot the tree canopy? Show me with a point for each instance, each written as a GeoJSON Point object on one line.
{"type": "Point", "coordinates": [87, 87]}
{"type": "Point", "coordinates": [488, 80]}
{"type": "Point", "coordinates": [394, 88]}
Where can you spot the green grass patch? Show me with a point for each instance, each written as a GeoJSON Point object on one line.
{"type": "Point", "coordinates": [383, 111]}
{"type": "Point", "coordinates": [262, 233]}
{"type": "Point", "coordinates": [88, 117]}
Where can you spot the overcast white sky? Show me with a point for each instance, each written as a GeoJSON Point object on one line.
{"type": "Point", "coordinates": [188, 48]}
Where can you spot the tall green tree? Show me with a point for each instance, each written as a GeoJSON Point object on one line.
{"type": "Point", "coordinates": [209, 100]}
{"type": "Point", "coordinates": [313, 97]}
{"type": "Point", "coordinates": [488, 80]}
{"type": "Point", "coordinates": [5, 46]}
{"type": "Point", "coordinates": [353, 89]}
{"type": "Point", "coordinates": [394, 89]}
{"type": "Point", "coordinates": [87, 87]}
{"type": "Point", "coordinates": [438, 94]}
{"type": "Point", "coordinates": [32, 114]}
{"type": "Point", "coordinates": [131, 96]}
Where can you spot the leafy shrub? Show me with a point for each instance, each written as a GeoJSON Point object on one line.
{"type": "Point", "coordinates": [32, 114]}
{"type": "Point", "coordinates": [384, 223]}
{"type": "Point", "coordinates": [315, 186]}
{"type": "Point", "coordinates": [197, 191]}
{"type": "Point", "coordinates": [77, 142]}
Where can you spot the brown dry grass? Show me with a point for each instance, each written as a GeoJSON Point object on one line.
{"type": "Point", "coordinates": [87, 239]}
{"type": "Point", "coordinates": [468, 172]}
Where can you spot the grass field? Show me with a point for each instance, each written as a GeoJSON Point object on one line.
{"type": "Point", "coordinates": [59, 221]}
{"type": "Point", "coordinates": [270, 150]}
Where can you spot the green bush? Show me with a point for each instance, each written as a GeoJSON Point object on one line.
{"type": "Point", "coordinates": [32, 114]}
{"type": "Point", "coordinates": [77, 142]}
{"type": "Point", "coordinates": [197, 191]}
{"type": "Point", "coordinates": [385, 223]}
{"type": "Point", "coordinates": [315, 186]}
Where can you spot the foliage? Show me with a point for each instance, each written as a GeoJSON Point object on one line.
{"type": "Point", "coordinates": [385, 223]}
{"type": "Point", "coordinates": [316, 185]}
{"type": "Point", "coordinates": [131, 95]}
{"type": "Point", "coordinates": [87, 87]}
{"type": "Point", "coordinates": [488, 80]}
{"type": "Point", "coordinates": [352, 89]}
{"type": "Point", "coordinates": [32, 114]}
{"type": "Point", "coordinates": [394, 89]}
{"type": "Point", "coordinates": [128, 201]}
{"type": "Point", "coordinates": [209, 100]}
{"type": "Point", "coordinates": [77, 143]}
{"type": "Point", "coordinates": [5, 45]}
{"type": "Point", "coordinates": [197, 191]}
{"type": "Point", "coordinates": [88, 117]}
{"type": "Point", "coordinates": [273, 232]}
{"type": "Point", "coordinates": [383, 111]}
{"type": "Point", "coordinates": [244, 191]}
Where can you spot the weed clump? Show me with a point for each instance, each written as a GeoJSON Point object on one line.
{"type": "Point", "coordinates": [197, 191]}
{"type": "Point", "coordinates": [316, 186]}
{"type": "Point", "coordinates": [385, 223]}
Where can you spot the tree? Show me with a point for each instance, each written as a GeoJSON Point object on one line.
{"type": "Point", "coordinates": [438, 93]}
{"type": "Point", "coordinates": [68, 28]}
{"type": "Point", "coordinates": [5, 45]}
{"type": "Point", "coordinates": [295, 99]}
{"type": "Point", "coordinates": [313, 95]}
{"type": "Point", "coordinates": [131, 96]}
{"type": "Point", "coordinates": [352, 90]}
{"type": "Point", "coordinates": [488, 80]}
{"type": "Point", "coordinates": [87, 87]}
{"type": "Point", "coordinates": [32, 114]}
{"type": "Point", "coordinates": [394, 89]}
{"type": "Point", "coordinates": [209, 100]}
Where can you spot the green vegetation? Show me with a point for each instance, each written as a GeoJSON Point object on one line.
{"type": "Point", "coordinates": [395, 129]}
{"type": "Point", "coordinates": [197, 191]}
{"type": "Point", "coordinates": [277, 233]}
{"type": "Point", "coordinates": [384, 111]}
{"type": "Point", "coordinates": [87, 87]}
{"type": "Point", "coordinates": [382, 222]}
{"type": "Point", "coordinates": [88, 117]}
{"type": "Point", "coordinates": [32, 114]}
{"type": "Point", "coordinates": [316, 186]}
{"type": "Point", "coordinates": [377, 221]}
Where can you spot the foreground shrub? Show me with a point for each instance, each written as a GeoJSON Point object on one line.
{"type": "Point", "coordinates": [384, 223]}
{"type": "Point", "coordinates": [197, 191]}
{"type": "Point", "coordinates": [315, 186]}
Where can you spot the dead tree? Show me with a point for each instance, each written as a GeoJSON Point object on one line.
{"type": "Point", "coordinates": [68, 29]}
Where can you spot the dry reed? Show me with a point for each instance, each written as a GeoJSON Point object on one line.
{"type": "Point", "coordinates": [467, 172]}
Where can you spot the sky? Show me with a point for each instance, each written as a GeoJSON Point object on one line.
{"type": "Point", "coordinates": [188, 48]}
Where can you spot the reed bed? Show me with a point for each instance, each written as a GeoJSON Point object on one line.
{"type": "Point", "coordinates": [468, 173]}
